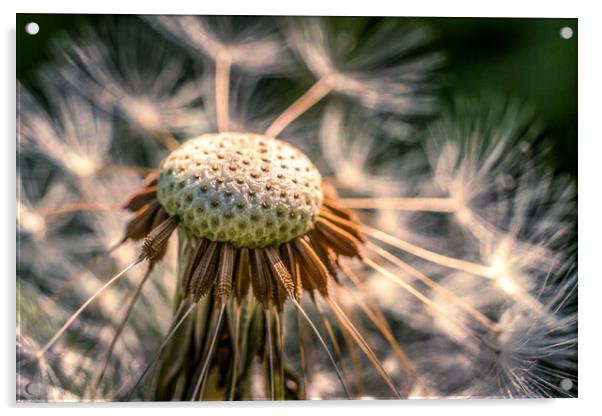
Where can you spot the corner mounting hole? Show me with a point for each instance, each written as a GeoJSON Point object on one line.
{"type": "Point", "coordinates": [33, 389]}
{"type": "Point", "coordinates": [566, 384]}
{"type": "Point", "coordinates": [32, 28]}
{"type": "Point", "coordinates": [566, 32]}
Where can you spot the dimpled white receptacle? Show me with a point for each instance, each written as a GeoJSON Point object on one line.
{"type": "Point", "coordinates": [245, 189]}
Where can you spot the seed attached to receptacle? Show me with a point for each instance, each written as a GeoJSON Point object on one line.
{"type": "Point", "coordinates": [200, 173]}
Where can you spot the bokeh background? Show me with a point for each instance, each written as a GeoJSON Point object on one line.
{"type": "Point", "coordinates": [523, 58]}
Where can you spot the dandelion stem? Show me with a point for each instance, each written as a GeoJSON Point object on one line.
{"type": "Point", "coordinates": [375, 315]}
{"type": "Point", "coordinates": [333, 339]}
{"type": "Point", "coordinates": [451, 262]}
{"type": "Point", "coordinates": [416, 293]}
{"type": "Point", "coordinates": [473, 268]}
{"type": "Point", "coordinates": [170, 142]}
{"type": "Point", "coordinates": [523, 297]}
{"type": "Point", "coordinates": [401, 204]}
{"type": "Point", "coordinates": [117, 169]}
{"type": "Point", "coordinates": [80, 206]}
{"type": "Point", "coordinates": [236, 352]}
{"type": "Point", "coordinates": [45, 304]}
{"type": "Point", "coordinates": [199, 388]}
{"type": "Point", "coordinates": [358, 371]}
{"type": "Point", "coordinates": [120, 328]}
{"type": "Point", "coordinates": [302, 362]}
{"type": "Point", "coordinates": [222, 91]}
{"type": "Point", "coordinates": [484, 230]}
{"type": "Point", "coordinates": [280, 328]}
{"type": "Point", "coordinates": [488, 323]}
{"type": "Point", "coordinates": [315, 330]}
{"type": "Point", "coordinates": [268, 329]}
{"type": "Point", "coordinates": [172, 330]}
{"type": "Point", "coordinates": [318, 91]}
{"type": "Point", "coordinates": [74, 316]}
{"type": "Point", "coordinates": [359, 339]}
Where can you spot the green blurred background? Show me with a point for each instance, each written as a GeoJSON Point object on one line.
{"type": "Point", "coordinates": [523, 58]}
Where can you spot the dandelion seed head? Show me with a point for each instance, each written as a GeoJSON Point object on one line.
{"type": "Point", "coordinates": [246, 189]}
{"type": "Point", "coordinates": [82, 166]}
{"type": "Point", "coordinates": [217, 38]}
{"type": "Point", "coordinates": [132, 72]}
{"type": "Point", "coordinates": [74, 134]}
{"type": "Point", "coordinates": [361, 73]}
{"type": "Point", "coordinates": [536, 351]}
{"type": "Point", "coordinates": [507, 284]}
{"type": "Point", "coordinates": [144, 113]}
{"type": "Point", "coordinates": [33, 223]}
{"type": "Point", "coordinates": [44, 247]}
{"type": "Point", "coordinates": [348, 149]}
{"type": "Point", "coordinates": [531, 352]}
{"type": "Point", "coordinates": [37, 381]}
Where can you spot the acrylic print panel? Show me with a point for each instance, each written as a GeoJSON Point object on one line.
{"type": "Point", "coordinates": [292, 208]}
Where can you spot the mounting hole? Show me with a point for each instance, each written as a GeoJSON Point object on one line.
{"type": "Point", "coordinates": [566, 32]}
{"type": "Point", "coordinates": [566, 384]}
{"type": "Point", "coordinates": [33, 389]}
{"type": "Point", "coordinates": [32, 28]}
